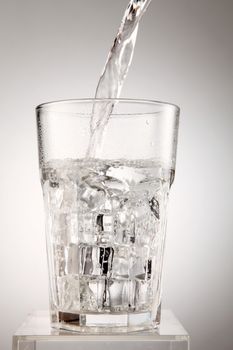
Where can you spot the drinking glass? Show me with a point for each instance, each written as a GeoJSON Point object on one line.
{"type": "Point", "coordinates": [106, 214]}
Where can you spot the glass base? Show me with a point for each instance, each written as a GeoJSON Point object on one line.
{"type": "Point", "coordinates": [93, 323]}
{"type": "Point", "coordinates": [36, 334]}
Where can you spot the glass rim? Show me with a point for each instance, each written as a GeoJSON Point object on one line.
{"type": "Point", "coordinates": [49, 105]}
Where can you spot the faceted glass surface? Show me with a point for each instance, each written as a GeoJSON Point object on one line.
{"type": "Point", "coordinates": [106, 217]}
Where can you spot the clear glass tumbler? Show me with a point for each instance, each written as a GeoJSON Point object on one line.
{"type": "Point", "coordinates": [106, 216]}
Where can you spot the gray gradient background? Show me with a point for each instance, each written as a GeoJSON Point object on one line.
{"type": "Point", "coordinates": [56, 49]}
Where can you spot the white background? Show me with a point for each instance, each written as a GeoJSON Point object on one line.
{"type": "Point", "coordinates": [56, 49]}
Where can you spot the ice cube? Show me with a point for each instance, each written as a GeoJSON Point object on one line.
{"type": "Point", "coordinates": [88, 300]}
{"type": "Point", "coordinates": [137, 266]}
{"type": "Point", "coordinates": [106, 205]}
{"type": "Point", "coordinates": [143, 293]}
{"type": "Point", "coordinates": [141, 209]}
{"type": "Point", "coordinates": [120, 267]}
{"type": "Point", "coordinates": [104, 222]}
{"type": "Point", "coordinates": [104, 228]}
{"type": "Point", "coordinates": [59, 259]}
{"type": "Point", "coordinates": [96, 260]}
{"type": "Point", "coordinates": [124, 227]}
{"type": "Point", "coordinates": [146, 229]}
{"type": "Point", "coordinates": [100, 288]}
{"type": "Point", "coordinates": [119, 294]}
{"type": "Point", "coordinates": [99, 223]}
{"type": "Point", "coordinates": [64, 228]}
{"type": "Point", "coordinates": [114, 186]}
{"type": "Point", "coordinates": [72, 258]}
{"type": "Point", "coordinates": [69, 199]}
{"type": "Point", "coordinates": [93, 196]}
{"type": "Point", "coordinates": [73, 227]}
{"type": "Point", "coordinates": [126, 175]}
{"type": "Point", "coordinates": [115, 202]}
{"type": "Point", "coordinates": [59, 228]}
{"type": "Point", "coordinates": [120, 234]}
{"type": "Point", "coordinates": [86, 227]}
{"type": "Point", "coordinates": [86, 259]}
{"type": "Point", "coordinates": [68, 293]}
{"type": "Point", "coordinates": [105, 260]}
